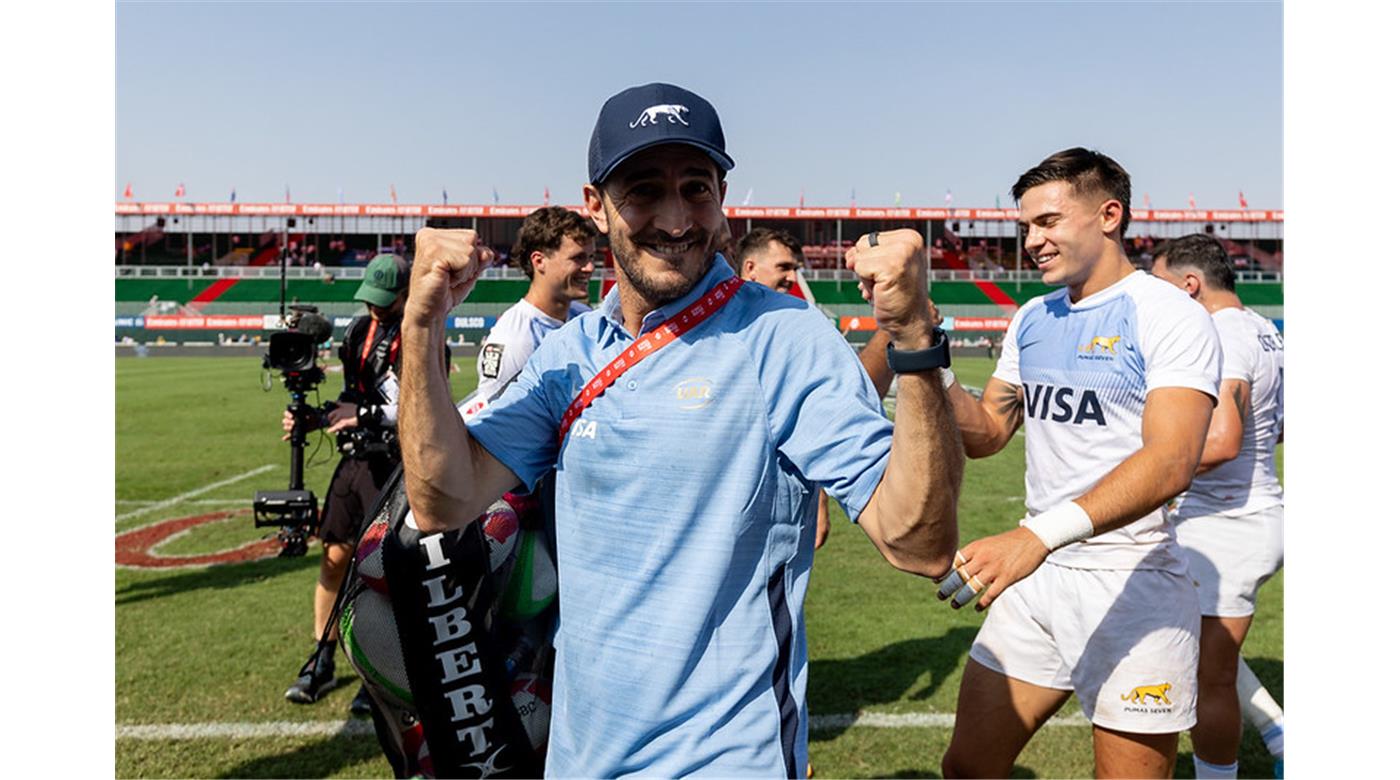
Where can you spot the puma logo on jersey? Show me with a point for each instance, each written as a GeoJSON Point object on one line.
{"type": "Point", "coordinates": [1072, 405]}
{"type": "Point", "coordinates": [652, 116]}
{"type": "Point", "coordinates": [1142, 693]}
{"type": "Point", "coordinates": [1102, 345]}
{"type": "Point", "coordinates": [584, 429]}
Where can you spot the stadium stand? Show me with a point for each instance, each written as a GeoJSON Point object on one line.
{"type": "Point", "coordinates": [223, 261]}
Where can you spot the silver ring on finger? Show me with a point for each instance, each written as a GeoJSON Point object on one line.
{"type": "Point", "coordinates": [874, 240]}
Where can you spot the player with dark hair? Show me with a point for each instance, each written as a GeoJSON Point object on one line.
{"type": "Point", "coordinates": [689, 421]}
{"type": "Point", "coordinates": [1230, 523]}
{"type": "Point", "coordinates": [1114, 377]}
{"type": "Point", "coordinates": [769, 257]}
{"type": "Point", "coordinates": [556, 248]}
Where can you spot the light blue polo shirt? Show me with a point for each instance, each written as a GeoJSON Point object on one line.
{"type": "Point", "coordinates": [685, 503]}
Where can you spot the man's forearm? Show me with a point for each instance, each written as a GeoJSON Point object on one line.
{"type": "Point", "coordinates": [1145, 481]}
{"type": "Point", "coordinates": [437, 454]}
{"type": "Point", "coordinates": [1227, 424]}
{"type": "Point", "coordinates": [914, 510]}
{"type": "Point", "coordinates": [981, 434]}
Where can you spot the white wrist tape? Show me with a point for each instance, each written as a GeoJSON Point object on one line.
{"type": "Point", "coordinates": [949, 379]}
{"type": "Point", "coordinates": [1061, 525]}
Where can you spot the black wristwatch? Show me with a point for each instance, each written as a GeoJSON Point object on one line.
{"type": "Point", "coordinates": [909, 361]}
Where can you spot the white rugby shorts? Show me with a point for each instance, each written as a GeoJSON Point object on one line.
{"type": "Point", "coordinates": [1230, 557]}
{"type": "Point", "coordinates": [1127, 642]}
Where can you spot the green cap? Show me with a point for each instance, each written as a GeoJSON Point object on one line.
{"type": "Point", "coordinates": [385, 277]}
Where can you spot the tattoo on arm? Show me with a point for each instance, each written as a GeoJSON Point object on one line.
{"type": "Point", "coordinates": [1008, 403]}
{"type": "Point", "coordinates": [1241, 403]}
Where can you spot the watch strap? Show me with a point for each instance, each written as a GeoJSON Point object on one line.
{"type": "Point", "coordinates": [909, 361]}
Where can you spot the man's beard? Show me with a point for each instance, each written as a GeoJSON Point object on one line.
{"type": "Point", "coordinates": [658, 292]}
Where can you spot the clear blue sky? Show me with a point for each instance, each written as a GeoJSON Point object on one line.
{"type": "Point", "coordinates": [911, 98]}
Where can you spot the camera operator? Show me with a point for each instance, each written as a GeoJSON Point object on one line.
{"type": "Point", "coordinates": [363, 419]}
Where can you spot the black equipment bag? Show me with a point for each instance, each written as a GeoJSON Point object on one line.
{"type": "Point", "coordinates": [459, 690]}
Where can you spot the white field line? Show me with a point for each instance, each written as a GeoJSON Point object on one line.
{"type": "Point", "coordinates": [906, 720]}
{"type": "Point", "coordinates": [196, 502]}
{"type": "Point", "coordinates": [360, 728]}
{"type": "Point", "coordinates": [197, 491]}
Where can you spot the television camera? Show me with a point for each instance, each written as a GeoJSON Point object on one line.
{"type": "Point", "coordinates": [293, 352]}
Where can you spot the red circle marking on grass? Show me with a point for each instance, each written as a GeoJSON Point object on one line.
{"type": "Point", "coordinates": [134, 548]}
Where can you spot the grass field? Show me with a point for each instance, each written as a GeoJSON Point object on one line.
{"type": "Point", "coordinates": [204, 653]}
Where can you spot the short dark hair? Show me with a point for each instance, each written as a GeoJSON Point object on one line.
{"type": "Point", "coordinates": [544, 230]}
{"type": "Point", "coordinates": [1087, 172]}
{"type": "Point", "coordinates": [757, 239]}
{"type": "Point", "coordinates": [1203, 253]}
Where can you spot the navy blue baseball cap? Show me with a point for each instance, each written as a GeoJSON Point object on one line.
{"type": "Point", "coordinates": [638, 118]}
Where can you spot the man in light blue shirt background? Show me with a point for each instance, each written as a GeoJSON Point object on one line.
{"type": "Point", "coordinates": [685, 492]}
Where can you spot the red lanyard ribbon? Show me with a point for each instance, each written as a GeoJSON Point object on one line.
{"type": "Point", "coordinates": [670, 330]}
{"type": "Point", "coordinates": [369, 344]}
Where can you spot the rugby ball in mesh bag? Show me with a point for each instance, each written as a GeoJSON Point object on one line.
{"type": "Point", "coordinates": [368, 629]}
{"type": "Point", "coordinates": [533, 580]}
{"type": "Point", "coordinates": [370, 636]}
{"type": "Point", "coordinates": [501, 527]}
{"type": "Point", "coordinates": [530, 695]}
{"type": "Point", "coordinates": [369, 556]}
{"type": "Point", "coordinates": [415, 748]}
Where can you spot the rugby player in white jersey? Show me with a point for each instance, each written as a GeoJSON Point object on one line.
{"type": "Point", "coordinates": [1114, 377]}
{"type": "Point", "coordinates": [556, 249]}
{"type": "Point", "coordinates": [1230, 523]}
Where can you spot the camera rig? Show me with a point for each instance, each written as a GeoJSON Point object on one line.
{"type": "Point", "coordinates": [293, 353]}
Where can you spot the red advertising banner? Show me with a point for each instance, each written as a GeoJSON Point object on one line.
{"type": "Point", "coordinates": [998, 324]}
{"type": "Point", "coordinates": [213, 322]}
{"type": "Point", "coordinates": [733, 212]}
{"type": "Point", "coordinates": [995, 324]}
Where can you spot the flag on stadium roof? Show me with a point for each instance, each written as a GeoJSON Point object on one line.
{"type": "Point", "coordinates": [1147, 200]}
{"type": "Point", "coordinates": [340, 194]}
{"type": "Point", "coordinates": [948, 198]}
{"type": "Point", "coordinates": [998, 199]}
{"type": "Point", "coordinates": [127, 192]}
{"type": "Point", "coordinates": [180, 190]}
{"type": "Point", "coordinates": [1191, 200]}
{"type": "Point", "coordinates": [546, 195]}
{"type": "Point", "coordinates": [444, 196]}
{"type": "Point", "coordinates": [853, 197]}
{"type": "Point", "coordinates": [287, 192]}
{"type": "Point", "coordinates": [495, 196]}
{"type": "Point", "coordinates": [802, 198]}
{"type": "Point", "coordinates": [393, 195]}
{"type": "Point", "coordinates": [1244, 204]}
{"type": "Point", "coordinates": [232, 194]}
{"type": "Point", "coordinates": [748, 197]}
{"type": "Point", "coordinates": [897, 198]}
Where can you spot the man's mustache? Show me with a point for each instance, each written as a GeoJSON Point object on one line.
{"type": "Point", "coordinates": [662, 239]}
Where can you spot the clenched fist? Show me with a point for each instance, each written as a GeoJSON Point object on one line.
{"type": "Point", "coordinates": [894, 278]}
{"type": "Point", "coordinates": [446, 264]}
